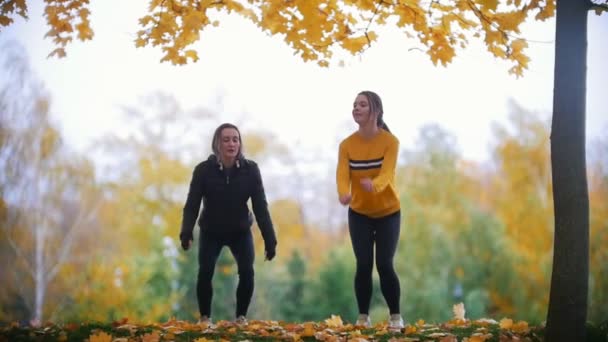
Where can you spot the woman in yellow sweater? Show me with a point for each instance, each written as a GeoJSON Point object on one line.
{"type": "Point", "coordinates": [365, 178]}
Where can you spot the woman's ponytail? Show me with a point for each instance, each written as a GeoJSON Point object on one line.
{"type": "Point", "coordinates": [382, 124]}
{"type": "Point", "coordinates": [375, 106]}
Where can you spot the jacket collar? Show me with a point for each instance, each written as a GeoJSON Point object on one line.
{"type": "Point", "coordinates": [240, 161]}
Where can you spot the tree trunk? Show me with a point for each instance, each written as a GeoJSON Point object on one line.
{"type": "Point", "coordinates": [567, 312]}
{"type": "Point", "coordinates": [39, 283]}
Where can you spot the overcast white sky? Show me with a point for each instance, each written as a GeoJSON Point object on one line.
{"type": "Point", "coordinates": [259, 76]}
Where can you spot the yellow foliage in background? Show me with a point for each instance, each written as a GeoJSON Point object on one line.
{"type": "Point", "coordinates": [313, 28]}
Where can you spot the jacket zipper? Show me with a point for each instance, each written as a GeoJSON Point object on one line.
{"type": "Point", "coordinates": [227, 179]}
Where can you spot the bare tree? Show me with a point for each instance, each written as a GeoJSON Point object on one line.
{"type": "Point", "coordinates": [39, 178]}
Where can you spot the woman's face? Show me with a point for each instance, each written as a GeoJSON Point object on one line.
{"type": "Point", "coordinates": [361, 111]}
{"type": "Point", "coordinates": [230, 143]}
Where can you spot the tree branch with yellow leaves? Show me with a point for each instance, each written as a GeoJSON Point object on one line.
{"type": "Point", "coordinates": [313, 28]}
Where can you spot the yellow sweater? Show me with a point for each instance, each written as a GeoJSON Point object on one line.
{"type": "Point", "coordinates": [374, 158]}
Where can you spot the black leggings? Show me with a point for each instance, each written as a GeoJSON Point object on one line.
{"type": "Point", "coordinates": [384, 231]}
{"type": "Point", "coordinates": [242, 249]}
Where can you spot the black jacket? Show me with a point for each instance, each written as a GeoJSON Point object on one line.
{"type": "Point", "coordinates": [224, 193]}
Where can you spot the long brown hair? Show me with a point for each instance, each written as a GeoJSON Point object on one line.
{"type": "Point", "coordinates": [375, 106]}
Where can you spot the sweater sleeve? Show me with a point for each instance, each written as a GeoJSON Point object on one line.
{"type": "Point", "coordinates": [387, 171]}
{"type": "Point", "coordinates": [193, 202]}
{"type": "Point", "coordinates": [260, 209]}
{"type": "Point", "coordinates": [343, 172]}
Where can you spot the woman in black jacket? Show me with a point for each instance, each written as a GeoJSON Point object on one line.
{"type": "Point", "coordinates": [224, 183]}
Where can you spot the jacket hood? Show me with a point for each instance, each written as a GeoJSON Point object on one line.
{"type": "Point", "coordinates": [240, 161]}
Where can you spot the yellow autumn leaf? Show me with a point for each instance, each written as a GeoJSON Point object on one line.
{"type": "Point", "coordinates": [506, 323]}
{"type": "Point", "coordinates": [154, 4]}
{"type": "Point", "coordinates": [144, 21]}
{"type": "Point", "coordinates": [192, 55]}
{"type": "Point", "coordinates": [84, 31]}
{"type": "Point", "coordinates": [151, 337]}
{"type": "Point", "coordinates": [497, 51]}
{"type": "Point", "coordinates": [334, 321]}
{"type": "Point", "coordinates": [100, 337]}
{"type": "Point", "coordinates": [518, 45]}
{"type": "Point", "coordinates": [83, 13]}
{"type": "Point", "coordinates": [140, 42]}
{"type": "Point", "coordinates": [59, 52]}
{"type": "Point", "coordinates": [5, 21]}
{"type": "Point", "coordinates": [549, 11]}
{"type": "Point", "coordinates": [488, 4]}
{"type": "Point", "coordinates": [309, 330]}
{"type": "Point", "coordinates": [358, 339]}
{"type": "Point", "coordinates": [442, 52]}
{"type": "Point", "coordinates": [410, 329]}
{"type": "Point", "coordinates": [510, 21]}
{"type": "Point", "coordinates": [520, 327]}
{"type": "Point", "coordinates": [354, 45]}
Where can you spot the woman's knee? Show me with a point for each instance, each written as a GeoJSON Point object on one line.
{"type": "Point", "coordinates": [365, 266]}
{"type": "Point", "coordinates": [385, 267]}
{"type": "Point", "coordinates": [205, 273]}
{"type": "Point", "coordinates": [246, 272]}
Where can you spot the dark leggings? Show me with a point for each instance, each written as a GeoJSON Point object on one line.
{"type": "Point", "coordinates": [210, 247]}
{"type": "Point", "coordinates": [384, 231]}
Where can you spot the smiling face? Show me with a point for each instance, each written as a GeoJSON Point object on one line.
{"type": "Point", "coordinates": [229, 144]}
{"type": "Point", "coordinates": [361, 109]}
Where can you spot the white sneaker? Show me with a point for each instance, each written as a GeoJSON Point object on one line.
{"type": "Point", "coordinates": [364, 321]}
{"type": "Point", "coordinates": [241, 320]}
{"type": "Point", "coordinates": [395, 322]}
{"type": "Point", "coordinates": [205, 321]}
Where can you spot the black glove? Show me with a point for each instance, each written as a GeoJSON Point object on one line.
{"type": "Point", "coordinates": [270, 252]}
{"type": "Point", "coordinates": [186, 239]}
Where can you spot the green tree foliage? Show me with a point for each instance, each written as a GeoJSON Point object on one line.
{"type": "Point", "coordinates": [292, 305]}
{"type": "Point", "coordinates": [452, 249]}
{"type": "Point", "coordinates": [332, 291]}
